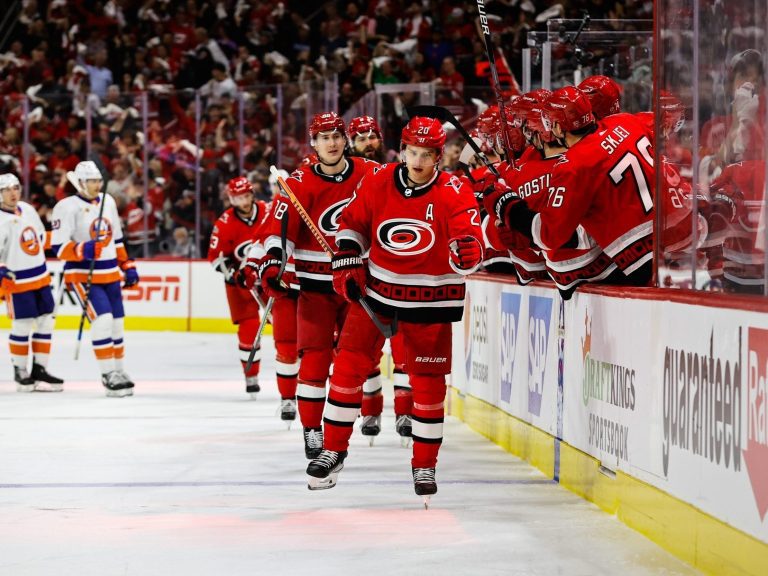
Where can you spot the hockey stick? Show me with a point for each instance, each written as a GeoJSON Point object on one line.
{"type": "Point", "coordinates": [445, 116]}
{"type": "Point", "coordinates": [89, 282]}
{"type": "Point", "coordinates": [495, 82]}
{"type": "Point", "coordinates": [387, 331]}
{"type": "Point", "coordinates": [271, 300]}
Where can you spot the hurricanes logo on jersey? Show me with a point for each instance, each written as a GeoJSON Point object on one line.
{"type": "Point", "coordinates": [101, 230]}
{"type": "Point", "coordinates": [241, 252]}
{"type": "Point", "coordinates": [329, 220]}
{"type": "Point", "coordinates": [405, 236]}
{"type": "Point", "coordinates": [29, 242]}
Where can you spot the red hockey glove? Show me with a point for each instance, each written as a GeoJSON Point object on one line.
{"type": "Point", "coordinates": [349, 274]}
{"type": "Point", "coordinates": [466, 253]}
{"type": "Point", "coordinates": [248, 275]}
{"type": "Point", "coordinates": [268, 271]}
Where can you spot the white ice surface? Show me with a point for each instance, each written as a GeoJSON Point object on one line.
{"type": "Point", "coordinates": [189, 477]}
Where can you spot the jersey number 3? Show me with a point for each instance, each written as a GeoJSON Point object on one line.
{"type": "Point", "coordinates": [630, 161]}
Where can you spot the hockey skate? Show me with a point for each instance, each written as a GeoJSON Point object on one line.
{"type": "Point", "coordinates": [24, 382]}
{"type": "Point", "coordinates": [252, 386]}
{"type": "Point", "coordinates": [288, 411]}
{"type": "Point", "coordinates": [371, 426]}
{"type": "Point", "coordinates": [424, 483]}
{"type": "Point", "coordinates": [116, 385]}
{"type": "Point", "coordinates": [44, 381]}
{"type": "Point", "coordinates": [404, 428]}
{"type": "Point", "coordinates": [324, 470]}
{"type": "Point", "coordinates": [129, 383]}
{"type": "Point", "coordinates": [313, 442]}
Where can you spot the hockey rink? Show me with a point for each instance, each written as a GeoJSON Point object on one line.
{"type": "Point", "coordinates": [190, 477]}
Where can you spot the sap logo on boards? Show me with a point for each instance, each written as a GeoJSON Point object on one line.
{"type": "Point", "coordinates": [539, 318]}
{"type": "Point", "coordinates": [510, 315]}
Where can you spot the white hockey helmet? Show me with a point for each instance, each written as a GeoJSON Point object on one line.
{"type": "Point", "coordinates": [8, 180]}
{"type": "Point", "coordinates": [87, 170]}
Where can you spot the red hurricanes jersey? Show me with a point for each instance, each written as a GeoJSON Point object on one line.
{"type": "Point", "coordinates": [605, 183]}
{"type": "Point", "coordinates": [233, 235]}
{"type": "Point", "coordinates": [573, 263]}
{"type": "Point", "coordinates": [407, 230]}
{"type": "Point", "coordinates": [323, 197]}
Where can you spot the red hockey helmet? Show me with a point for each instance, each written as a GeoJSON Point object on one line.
{"type": "Point", "coordinates": [487, 121]}
{"type": "Point", "coordinates": [363, 125]}
{"type": "Point", "coordinates": [525, 103]}
{"type": "Point", "coordinates": [424, 132]}
{"type": "Point", "coordinates": [535, 123]}
{"type": "Point", "coordinates": [570, 108]}
{"type": "Point", "coordinates": [672, 112]}
{"type": "Point", "coordinates": [326, 122]}
{"type": "Point", "coordinates": [604, 94]}
{"type": "Point", "coordinates": [239, 186]}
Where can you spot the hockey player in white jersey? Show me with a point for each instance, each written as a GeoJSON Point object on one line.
{"type": "Point", "coordinates": [79, 237]}
{"type": "Point", "coordinates": [26, 285]}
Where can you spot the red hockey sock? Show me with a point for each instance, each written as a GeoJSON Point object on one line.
{"type": "Point", "coordinates": [428, 415]}
{"type": "Point", "coordinates": [403, 393]}
{"type": "Point", "coordinates": [246, 334]}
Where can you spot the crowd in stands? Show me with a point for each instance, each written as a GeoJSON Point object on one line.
{"type": "Point", "coordinates": [77, 70]}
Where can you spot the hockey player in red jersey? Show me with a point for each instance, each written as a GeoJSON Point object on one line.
{"type": "Point", "coordinates": [421, 228]}
{"type": "Point", "coordinates": [571, 265]}
{"type": "Point", "coordinates": [323, 189]}
{"type": "Point", "coordinates": [604, 182]}
{"type": "Point", "coordinates": [365, 142]}
{"type": "Point", "coordinates": [230, 242]}
{"type": "Point", "coordinates": [283, 311]}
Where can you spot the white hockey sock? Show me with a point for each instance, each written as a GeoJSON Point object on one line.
{"type": "Point", "coordinates": [19, 341]}
{"type": "Point", "coordinates": [41, 339]}
{"type": "Point", "coordinates": [101, 337]}
{"type": "Point", "coordinates": [118, 330]}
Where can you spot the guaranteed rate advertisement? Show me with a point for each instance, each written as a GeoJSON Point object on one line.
{"type": "Point", "coordinates": [673, 394]}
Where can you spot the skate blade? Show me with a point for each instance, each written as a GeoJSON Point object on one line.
{"type": "Point", "coordinates": [426, 502]}
{"type": "Point", "coordinates": [25, 387]}
{"type": "Point", "coordinates": [46, 387]}
{"type": "Point", "coordinates": [119, 393]}
{"type": "Point", "coordinates": [370, 440]}
{"type": "Point", "coordinates": [288, 424]}
{"type": "Point", "coordinates": [323, 483]}
{"type": "Point", "coordinates": [405, 441]}
{"type": "Point", "coordinates": [253, 395]}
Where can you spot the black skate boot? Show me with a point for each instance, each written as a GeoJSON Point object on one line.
{"type": "Point", "coordinates": [44, 380]}
{"type": "Point", "coordinates": [404, 429]}
{"type": "Point", "coordinates": [424, 483]}
{"type": "Point", "coordinates": [129, 385]}
{"type": "Point", "coordinates": [313, 442]}
{"type": "Point", "coordinates": [252, 386]}
{"type": "Point", "coordinates": [24, 382]}
{"type": "Point", "coordinates": [371, 426]}
{"type": "Point", "coordinates": [324, 470]}
{"type": "Point", "coordinates": [115, 384]}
